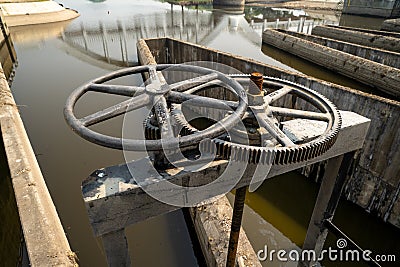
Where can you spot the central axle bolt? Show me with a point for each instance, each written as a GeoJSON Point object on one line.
{"type": "Point", "coordinates": [257, 79]}
{"type": "Point", "coordinates": [255, 94]}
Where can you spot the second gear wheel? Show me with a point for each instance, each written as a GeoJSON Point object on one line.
{"type": "Point", "coordinates": [278, 153]}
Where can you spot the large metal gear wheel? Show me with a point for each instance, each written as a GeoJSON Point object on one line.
{"type": "Point", "coordinates": [283, 150]}
{"type": "Point", "coordinates": [157, 95]}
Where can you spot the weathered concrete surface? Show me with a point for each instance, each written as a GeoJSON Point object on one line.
{"type": "Point", "coordinates": [45, 239]}
{"type": "Point", "coordinates": [369, 72]}
{"type": "Point", "coordinates": [114, 200]}
{"type": "Point", "coordinates": [375, 180]}
{"type": "Point", "coordinates": [391, 25]}
{"type": "Point", "coordinates": [29, 13]}
{"type": "Point", "coordinates": [388, 58]}
{"type": "Point", "coordinates": [358, 37]}
{"type": "Point", "coordinates": [212, 224]}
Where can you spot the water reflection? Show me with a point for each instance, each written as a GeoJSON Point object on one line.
{"type": "Point", "coordinates": [361, 22]}
{"type": "Point", "coordinates": [37, 32]}
{"type": "Point", "coordinates": [113, 42]}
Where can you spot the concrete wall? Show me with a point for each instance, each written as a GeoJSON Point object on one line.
{"type": "Point", "coordinates": [370, 39]}
{"type": "Point", "coordinates": [375, 177]}
{"type": "Point", "coordinates": [377, 32]}
{"type": "Point", "coordinates": [382, 77]}
{"type": "Point", "coordinates": [383, 8]}
{"type": "Point", "coordinates": [388, 58]}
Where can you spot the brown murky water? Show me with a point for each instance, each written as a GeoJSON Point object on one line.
{"type": "Point", "coordinates": [54, 61]}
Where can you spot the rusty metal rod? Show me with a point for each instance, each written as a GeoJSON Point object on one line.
{"type": "Point", "coordinates": [237, 215]}
{"type": "Point", "coordinates": [256, 84]}
{"type": "Point", "coordinates": [240, 196]}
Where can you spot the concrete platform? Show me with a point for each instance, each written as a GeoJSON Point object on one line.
{"type": "Point", "coordinates": [30, 13]}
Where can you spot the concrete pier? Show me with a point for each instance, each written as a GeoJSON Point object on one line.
{"type": "Point", "coordinates": [212, 224]}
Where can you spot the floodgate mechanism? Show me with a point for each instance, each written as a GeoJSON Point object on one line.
{"type": "Point", "coordinates": [207, 133]}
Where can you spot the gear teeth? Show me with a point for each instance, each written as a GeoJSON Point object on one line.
{"type": "Point", "coordinates": [185, 128]}
{"type": "Point", "coordinates": [292, 152]}
{"type": "Point", "coordinates": [151, 132]}
{"type": "Point", "coordinates": [264, 158]}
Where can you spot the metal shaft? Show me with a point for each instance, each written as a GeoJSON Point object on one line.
{"type": "Point", "coordinates": [240, 197]}
{"type": "Point", "coordinates": [257, 85]}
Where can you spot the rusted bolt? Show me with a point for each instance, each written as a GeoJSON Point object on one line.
{"type": "Point", "coordinates": [255, 94]}
{"type": "Point", "coordinates": [257, 79]}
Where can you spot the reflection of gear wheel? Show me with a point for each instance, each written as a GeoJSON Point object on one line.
{"type": "Point", "coordinates": [275, 154]}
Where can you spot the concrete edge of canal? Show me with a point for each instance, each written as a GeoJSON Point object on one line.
{"type": "Point", "coordinates": [31, 13]}
{"type": "Point", "coordinates": [45, 239]}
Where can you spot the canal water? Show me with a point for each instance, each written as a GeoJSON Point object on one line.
{"type": "Point", "coordinates": [55, 59]}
